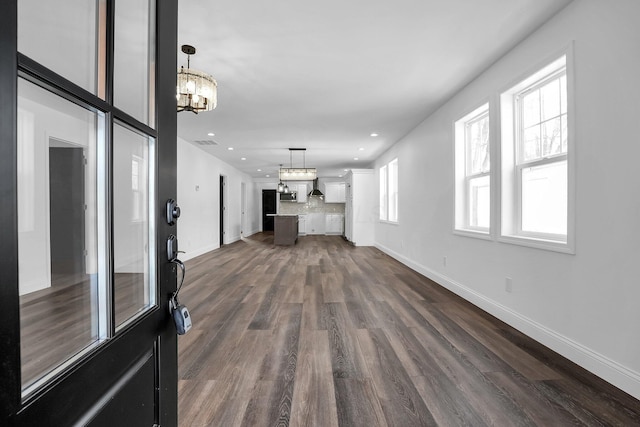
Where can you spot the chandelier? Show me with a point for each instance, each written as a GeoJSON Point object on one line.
{"type": "Point", "coordinates": [196, 91]}
{"type": "Point", "coordinates": [297, 174]}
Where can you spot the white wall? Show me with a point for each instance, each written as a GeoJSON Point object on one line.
{"type": "Point", "coordinates": [584, 306]}
{"type": "Point", "coordinates": [198, 197]}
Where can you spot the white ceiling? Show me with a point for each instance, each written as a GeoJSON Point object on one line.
{"type": "Point", "coordinates": [325, 75]}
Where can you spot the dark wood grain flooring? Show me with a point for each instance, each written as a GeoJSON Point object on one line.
{"type": "Point", "coordinates": [58, 322]}
{"type": "Point", "coordinates": [326, 334]}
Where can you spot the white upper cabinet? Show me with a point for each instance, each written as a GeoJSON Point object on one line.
{"type": "Point", "coordinates": [302, 192]}
{"type": "Point", "coordinates": [334, 192]}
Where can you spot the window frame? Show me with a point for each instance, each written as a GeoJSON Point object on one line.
{"type": "Point", "coordinates": [464, 176]}
{"type": "Point", "coordinates": [512, 163]}
{"type": "Point", "coordinates": [389, 198]}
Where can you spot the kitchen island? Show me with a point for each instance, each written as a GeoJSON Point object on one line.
{"type": "Point", "coordinates": [285, 229]}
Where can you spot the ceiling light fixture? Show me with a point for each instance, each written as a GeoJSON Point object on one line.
{"type": "Point", "coordinates": [298, 174]}
{"type": "Point", "coordinates": [281, 185]}
{"type": "Point", "coordinates": [196, 91]}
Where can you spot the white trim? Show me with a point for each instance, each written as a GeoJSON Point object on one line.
{"type": "Point", "coordinates": [462, 177]}
{"type": "Point", "coordinates": [617, 374]}
{"type": "Point", "coordinates": [509, 208]}
{"type": "Point", "coordinates": [467, 232]}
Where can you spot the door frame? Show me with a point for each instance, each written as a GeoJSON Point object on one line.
{"type": "Point", "coordinates": [66, 399]}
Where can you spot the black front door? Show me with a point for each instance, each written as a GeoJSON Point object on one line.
{"type": "Point", "coordinates": [86, 333]}
{"type": "Point", "coordinates": [269, 202]}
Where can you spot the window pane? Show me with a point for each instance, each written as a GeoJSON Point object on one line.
{"type": "Point", "coordinates": [61, 281]}
{"type": "Point", "coordinates": [531, 109]}
{"type": "Point", "coordinates": [132, 258]}
{"type": "Point", "coordinates": [62, 36]}
{"type": "Point", "coordinates": [134, 59]}
{"type": "Point", "coordinates": [479, 195]}
{"type": "Point", "coordinates": [550, 99]}
{"type": "Point", "coordinates": [383, 193]}
{"type": "Point", "coordinates": [551, 137]}
{"type": "Point", "coordinates": [544, 198]}
{"type": "Point", "coordinates": [563, 94]}
{"type": "Point", "coordinates": [478, 140]}
{"type": "Point", "coordinates": [531, 143]}
{"type": "Point", "coordinates": [393, 191]}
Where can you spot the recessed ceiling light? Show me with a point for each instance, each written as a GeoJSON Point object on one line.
{"type": "Point", "coordinates": [346, 170]}
{"type": "Point", "coordinates": [339, 176]}
{"type": "Point", "coordinates": [267, 176]}
{"type": "Point", "coordinates": [361, 149]}
{"type": "Point", "coordinates": [211, 134]}
{"type": "Point", "coordinates": [259, 170]}
{"type": "Point", "coordinates": [230, 148]}
{"type": "Point", "coordinates": [374, 134]}
{"type": "Point", "coordinates": [355, 158]}
{"type": "Point", "coordinates": [243, 158]}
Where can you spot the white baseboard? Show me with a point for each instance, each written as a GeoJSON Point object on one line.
{"type": "Point", "coordinates": [232, 239]}
{"type": "Point", "coordinates": [596, 363]}
{"type": "Point", "coordinates": [197, 252]}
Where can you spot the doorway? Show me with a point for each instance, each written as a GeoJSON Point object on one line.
{"type": "Point", "coordinates": [223, 206]}
{"type": "Point", "coordinates": [269, 203]}
{"type": "Point", "coordinates": [243, 207]}
{"type": "Point", "coordinates": [67, 214]}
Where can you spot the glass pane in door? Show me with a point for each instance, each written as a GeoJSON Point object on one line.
{"type": "Point", "coordinates": [64, 36]}
{"type": "Point", "coordinates": [60, 231]}
{"type": "Point", "coordinates": [134, 59]}
{"type": "Point", "coordinates": [133, 250]}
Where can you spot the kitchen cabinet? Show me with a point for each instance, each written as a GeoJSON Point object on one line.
{"type": "Point", "coordinates": [334, 224]}
{"type": "Point", "coordinates": [315, 223]}
{"type": "Point", "coordinates": [285, 229]}
{"type": "Point", "coordinates": [302, 225]}
{"type": "Point", "coordinates": [302, 193]}
{"type": "Point", "coordinates": [361, 207]}
{"type": "Point", "coordinates": [334, 192]}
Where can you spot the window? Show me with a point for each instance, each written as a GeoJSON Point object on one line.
{"type": "Point", "coordinates": [535, 159]}
{"type": "Point", "coordinates": [389, 191]}
{"type": "Point", "coordinates": [472, 170]}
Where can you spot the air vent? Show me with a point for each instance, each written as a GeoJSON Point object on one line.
{"type": "Point", "coordinates": [205, 142]}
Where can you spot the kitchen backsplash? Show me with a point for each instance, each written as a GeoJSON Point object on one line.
{"type": "Point", "coordinates": [313, 205]}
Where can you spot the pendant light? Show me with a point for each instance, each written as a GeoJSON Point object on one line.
{"type": "Point", "coordinates": [196, 91]}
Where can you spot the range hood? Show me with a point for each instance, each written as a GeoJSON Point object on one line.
{"type": "Point", "coordinates": [315, 191]}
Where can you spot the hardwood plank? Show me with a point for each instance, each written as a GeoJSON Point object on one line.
{"type": "Point", "coordinates": [314, 401]}
{"type": "Point", "coordinates": [346, 356]}
{"type": "Point", "coordinates": [278, 372]}
{"type": "Point", "coordinates": [313, 308]}
{"type": "Point", "coordinates": [331, 288]}
{"type": "Point", "coordinates": [401, 403]}
{"type": "Point", "coordinates": [357, 403]}
{"type": "Point", "coordinates": [439, 389]}
{"type": "Point", "coordinates": [537, 406]}
{"type": "Point", "coordinates": [238, 379]}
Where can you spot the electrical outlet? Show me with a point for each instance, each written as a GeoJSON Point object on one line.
{"type": "Point", "coordinates": [508, 284]}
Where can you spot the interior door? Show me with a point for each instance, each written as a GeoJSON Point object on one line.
{"type": "Point", "coordinates": [269, 202]}
{"type": "Point", "coordinates": [99, 348]}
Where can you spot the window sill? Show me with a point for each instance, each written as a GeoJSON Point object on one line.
{"type": "Point", "coordinates": [383, 221]}
{"type": "Point", "coordinates": [537, 243]}
{"type": "Point", "coordinates": [477, 234]}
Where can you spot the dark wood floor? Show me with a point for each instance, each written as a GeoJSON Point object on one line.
{"type": "Point", "coordinates": [325, 334]}
{"type": "Point", "coordinates": [56, 322]}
